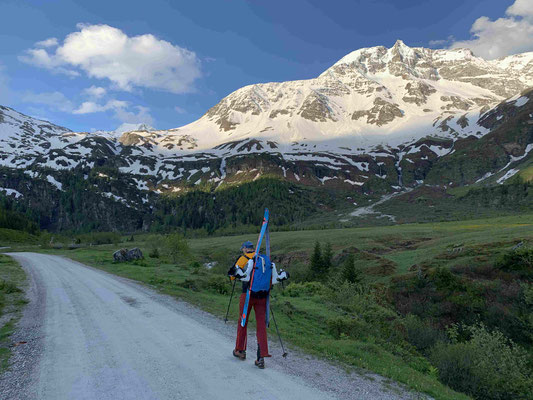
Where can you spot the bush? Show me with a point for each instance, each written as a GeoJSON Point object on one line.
{"type": "Point", "coordinates": [520, 261]}
{"type": "Point", "coordinates": [486, 366]}
{"type": "Point", "coordinates": [176, 246]}
{"type": "Point", "coordinates": [345, 326]}
{"type": "Point", "coordinates": [363, 302]}
{"type": "Point", "coordinates": [422, 335]}
{"type": "Point", "coordinates": [154, 253]}
{"type": "Point", "coordinates": [191, 284]}
{"type": "Point", "coordinates": [218, 284]}
{"type": "Point", "coordinates": [306, 289]}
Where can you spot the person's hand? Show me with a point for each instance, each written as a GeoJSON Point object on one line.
{"type": "Point", "coordinates": [283, 275]}
{"type": "Point", "coordinates": [236, 272]}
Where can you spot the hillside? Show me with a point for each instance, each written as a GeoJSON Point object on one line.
{"type": "Point", "coordinates": [377, 122]}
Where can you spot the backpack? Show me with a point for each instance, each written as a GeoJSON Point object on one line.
{"type": "Point", "coordinates": [262, 274]}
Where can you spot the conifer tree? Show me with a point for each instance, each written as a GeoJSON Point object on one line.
{"type": "Point", "coordinates": [316, 261]}
{"type": "Point", "coordinates": [349, 272]}
{"type": "Point", "coordinates": [327, 257]}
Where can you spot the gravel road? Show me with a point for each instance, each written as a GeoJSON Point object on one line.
{"type": "Point", "coordinates": [91, 335]}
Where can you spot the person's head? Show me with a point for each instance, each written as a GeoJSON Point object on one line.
{"type": "Point", "coordinates": [247, 247]}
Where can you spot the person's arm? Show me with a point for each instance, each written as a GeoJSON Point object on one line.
{"type": "Point", "coordinates": [248, 271]}
{"type": "Point", "coordinates": [275, 275]}
{"type": "Point", "coordinates": [278, 277]}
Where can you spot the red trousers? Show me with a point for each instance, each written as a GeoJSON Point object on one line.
{"type": "Point", "coordinates": [259, 306]}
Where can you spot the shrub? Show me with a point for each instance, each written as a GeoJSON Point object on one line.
{"type": "Point", "coordinates": [154, 253]}
{"type": "Point", "coordinates": [191, 284]}
{"type": "Point", "coordinates": [176, 246]}
{"type": "Point", "coordinates": [363, 302]}
{"type": "Point", "coordinates": [422, 335]}
{"type": "Point", "coordinates": [218, 283]}
{"type": "Point", "coordinates": [520, 261]}
{"type": "Point", "coordinates": [486, 366]}
{"type": "Point", "coordinates": [306, 289]}
{"type": "Point", "coordinates": [347, 326]}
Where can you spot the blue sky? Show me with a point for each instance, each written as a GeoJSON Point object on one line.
{"type": "Point", "coordinates": [167, 62]}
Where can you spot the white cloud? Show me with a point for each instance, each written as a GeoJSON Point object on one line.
{"type": "Point", "coordinates": [50, 42]}
{"type": "Point", "coordinates": [95, 92]}
{"type": "Point", "coordinates": [505, 36]}
{"type": "Point", "coordinates": [180, 110]}
{"type": "Point", "coordinates": [121, 111]}
{"type": "Point", "coordinates": [41, 58]}
{"type": "Point", "coordinates": [521, 8]}
{"type": "Point", "coordinates": [56, 101]}
{"type": "Point", "coordinates": [105, 52]}
{"type": "Point", "coordinates": [89, 107]}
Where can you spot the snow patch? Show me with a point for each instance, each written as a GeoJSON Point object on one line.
{"type": "Point", "coordinates": [507, 175]}
{"type": "Point", "coordinates": [10, 192]}
{"type": "Point", "coordinates": [521, 101]}
{"type": "Point", "coordinates": [54, 182]}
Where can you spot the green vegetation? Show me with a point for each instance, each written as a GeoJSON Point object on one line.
{"type": "Point", "coordinates": [12, 300]}
{"type": "Point", "coordinates": [230, 208]}
{"type": "Point", "coordinates": [12, 217]}
{"type": "Point", "coordinates": [387, 301]}
{"type": "Point", "coordinates": [487, 365]}
{"type": "Point", "coordinates": [426, 203]}
{"type": "Point", "coordinates": [9, 236]}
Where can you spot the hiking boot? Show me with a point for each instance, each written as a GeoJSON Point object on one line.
{"type": "Point", "coordinates": [240, 354]}
{"type": "Point", "coordinates": [260, 363]}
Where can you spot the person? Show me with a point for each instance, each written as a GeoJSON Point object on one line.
{"type": "Point", "coordinates": [267, 275]}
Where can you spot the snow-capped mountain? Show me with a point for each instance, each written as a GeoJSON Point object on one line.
{"type": "Point", "coordinates": [371, 96]}
{"type": "Point", "coordinates": [123, 128]}
{"type": "Point", "coordinates": [376, 120]}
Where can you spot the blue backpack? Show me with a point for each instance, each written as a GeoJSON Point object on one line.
{"type": "Point", "coordinates": [262, 274]}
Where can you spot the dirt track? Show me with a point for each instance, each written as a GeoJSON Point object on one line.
{"type": "Point", "coordinates": [92, 335]}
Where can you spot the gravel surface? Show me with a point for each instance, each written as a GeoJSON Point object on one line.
{"type": "Point", "coordinates": [92, 335]}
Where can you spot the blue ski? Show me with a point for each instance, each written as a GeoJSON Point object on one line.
{"type": "Point", "coordinates": [264, 228]}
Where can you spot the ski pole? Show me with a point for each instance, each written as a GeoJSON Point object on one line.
{"type": "Point", "coordinates": [277, 330]}
{"type": "Point", "coordinates": [231, 298]}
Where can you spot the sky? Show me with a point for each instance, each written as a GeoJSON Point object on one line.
{"type": "Point", "coordinates": [94, 65]}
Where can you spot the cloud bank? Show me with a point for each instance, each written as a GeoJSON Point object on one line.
{"type": "Point", "coordinates": [105, 52]}
{"type": "Point", "coordinates": [508, 35]}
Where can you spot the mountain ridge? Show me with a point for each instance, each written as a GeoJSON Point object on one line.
{"type": "Point", "coordinates": [375, 122]}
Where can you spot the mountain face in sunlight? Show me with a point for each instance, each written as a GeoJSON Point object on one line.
{"type": "Point", "coordinates": [376, 121]}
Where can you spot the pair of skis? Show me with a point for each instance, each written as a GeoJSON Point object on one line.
{"type": "Point", "coordinates": [262, 234]}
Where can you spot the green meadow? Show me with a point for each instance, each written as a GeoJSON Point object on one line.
{"type": "Point", "coordinates": [415, 284]}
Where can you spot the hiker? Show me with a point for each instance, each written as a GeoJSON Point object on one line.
{"type": "Point", "coordinates": [265, 276]}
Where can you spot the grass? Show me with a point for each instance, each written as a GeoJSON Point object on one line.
{"type": "Point", "coordinates": [11, 236]}
{"type": "Point", "coordinates": [302, 320]}
{"type": "Point", "coordinates": [12, 279]}
{"type": "Point", "coordinates": [526, 174]}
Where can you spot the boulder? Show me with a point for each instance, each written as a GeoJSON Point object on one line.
{"type": "Point", "coordinates": [120, 255]}
{"type": "Point", "coordinates": [135, 254]}
{"type": "Point", "coordinates": [123, 255]}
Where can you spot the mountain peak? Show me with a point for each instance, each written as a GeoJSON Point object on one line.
{"type": "Point", "coordinates": [400, 43]}
{"type": "Point", "coordinates": [128, 127]}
